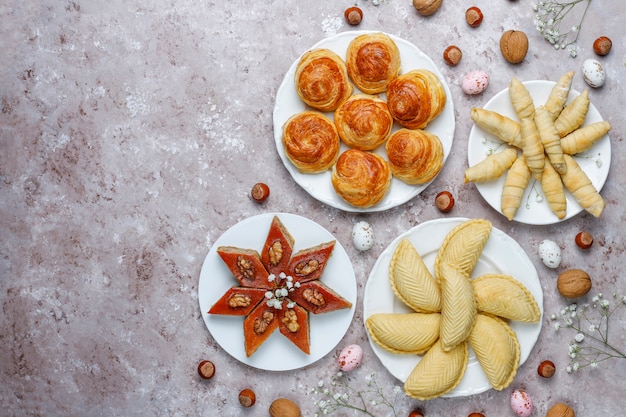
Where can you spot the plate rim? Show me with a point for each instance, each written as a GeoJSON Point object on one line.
{"type": "Point", "coordinates": [339, 260]}
{"type": "Point", "coordinates": [573, 208]}
{"type": "Point", "coordinates": [389, 201]}
{"type": "Point", "coordinates": [473, 366]}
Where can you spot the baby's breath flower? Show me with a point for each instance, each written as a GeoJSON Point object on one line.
{"type": "Point", "coordinates": [550, 15]}
{"type": "Point", "coordinates": [593, 331]}
{"type": "Point", "coordinates": [342, 395]}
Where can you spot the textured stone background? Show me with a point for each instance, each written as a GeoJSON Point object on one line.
{"type": "Point", "coordinates": [131, 133]}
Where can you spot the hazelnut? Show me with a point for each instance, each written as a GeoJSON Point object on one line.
{"type": "Point", "coordinates": [546, 369]}
{"type": "Point", "coordinates": [602, 45]}
{"type": "Point", "coordinates": [426, 7]}
{"type": "Point", "coordinates": [444, 201]}
{"type": "Point", "coordinates": [260, 192]}
{"type": "Point", "coordinates": [474, 16]}
{"type": "Point", "coordinates": [573, 283]}
{"type": "Point", "coordinates": [206, 369]}
{"type": "Point", "coordinates": [283, 407]}
{"type": "Point", "coordinates": [416, 413]}
{"type": "Point", "coordinates": [560, 410]}
{"type": "Point", "coordinates": [247, 398]}
{"type": "Point", "coordinates": [514, 46]}
{"type": "Point", "coordinates": [452, 55]}
{"type": "Point", "coordinates": [584, 240]}
{"type": "Point", "coordinates": [353, 15]}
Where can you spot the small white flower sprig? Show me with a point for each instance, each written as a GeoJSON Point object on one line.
{"type": "Point", "coordinates": [338, 394]}
{"type": "Point", "coordinates": [548, 20]}
{"type": "Point", "coordinates": [277, 297]}
{"type": "Point", "coordinates": [590, 322]}
{"type": "Point", "coordinates": [374, 2]}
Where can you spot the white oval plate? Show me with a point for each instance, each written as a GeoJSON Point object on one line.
{"type": "Point", "coordinates": [319, 186]}
{"type": "Point", "coordinates": [501, 255]}
{"type": "Point", "coordinates": [596, 161]}
{"type": "Point", "coordinates": [277, 353]}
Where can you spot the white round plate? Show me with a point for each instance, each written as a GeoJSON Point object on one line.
{"type": "Point", "coordinates": [501, 255]}
{"type": "Point", "coordinates": [534, 209]}
{"type": "Point", "coordinates": [319, 185]}
{"type": "Point", "coordinates": [277, 353]}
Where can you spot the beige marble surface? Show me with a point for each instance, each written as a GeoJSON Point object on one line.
{"type": "Point", "coordinates": [131, 133]}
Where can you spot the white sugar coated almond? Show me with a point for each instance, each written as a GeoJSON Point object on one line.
{"type": "Point", "coordinates": [593, 73]}
{"type": "Point", "coordinates": [362, 236]}
{"type": "Point", "coordinates": [550, 253]}
{"type": "Point", "coordinates": [350, 358]}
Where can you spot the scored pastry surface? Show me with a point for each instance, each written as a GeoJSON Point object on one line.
{"type": "Point", "coordinates": [458, 307]}
{"type": "Point", "coordinates": [438, 373]}
{"type": "Point", "coordinates": [411, 281]}
{"type": "Point", "coordinates": [463, 246]}
{"type": "Point", "coordinates": [401, 333]}
{"type": "Point", "coordinates": [504, 296]}
{"type": "Point", "coordinates": [497, 349]}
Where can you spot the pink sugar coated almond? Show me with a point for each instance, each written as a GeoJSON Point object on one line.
{"type": "Point", "coordinates": [521, 403]}
{"type": "Point", "coordinates": [475, 82]}
{"type": "Point", "coordinates": [350, 358]}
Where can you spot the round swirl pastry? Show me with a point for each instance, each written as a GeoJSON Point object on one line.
{"type": "Point", "coordinates": [363, 122]}
{"type": "Point", "coordinates": [416, 98]}
{"type": "Point", "coordinates": [373, 61]}
{"type": "Point", "coordinates": [311, 142]}
{"type": "Point", "coordinates": [321, 80]}
{"type": "Point", "coordinates": [361, 178]}
{"type": "Point", "coordinates": [415, 156]}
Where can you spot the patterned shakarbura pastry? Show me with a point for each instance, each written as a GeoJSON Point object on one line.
{"type": "Point", "coordinates": [463, 246]}
{"type": "Point", "coordinates": [411, 281]}
{"type": "Point", "coordinates": [458, 306]}
{"type": "Point", "coordinates": [412, 333]}
{"type": "Point", "coordinates": [506, 297]}
{"type": "Point", "coordinates": [438, 373]}
{"type": "Point", "coordinates": [497, 349]}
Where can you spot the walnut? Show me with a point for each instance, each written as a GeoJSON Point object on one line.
{"type": "Point", "coordinates": [314, 297]}
{"type": "Point", "coordinates": [239, 300]}
{"type": "Point", "coordinates": [261, 324]}
{"type": "Point", "coordinates": [307, 268]}
{"type": "Point", "coordinates": [275, 252]}
{"type": "Point", "coordinates": [291, 321]}
{"type": "Point", "coordinates": [245, 267]}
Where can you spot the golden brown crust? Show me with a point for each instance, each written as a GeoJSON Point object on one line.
{"type": "Point", "coordinates": [361, 178]}
{"type": "Point", "coordinates": [321, 80]}
{"type": "Point", "coordinates": [415, 156]}
{"type": "Point", "coordinates": [416, 98]}
{"type": "Point", "coordinates": [363, 122]}
{"type": "Point", "coordinates": [373, 61]}
{"type": "Point", "coordinates": [311, 142]}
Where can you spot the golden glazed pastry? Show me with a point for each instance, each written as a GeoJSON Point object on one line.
{"type": "Point", "coordinates": [373, 61]}
{"type": "Point", "coordinates": [321, 80]}
{"type": "Point", "coordinates": [416, 98]}
{"type": "Point", "coordinates": [363, 122]}
{"type": "Point", "coordinates": [515, 183]}
{"type": "Point", "coordinates": [401, 333]}
{"type": "Point", "coordinates": [492, 167]}
{"type": "Point", "coordinates": [415, 156]}
{"type": "Point", "coordinates": [311, 142]}
{"type": "Point", "coordinates": [361, 178]}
